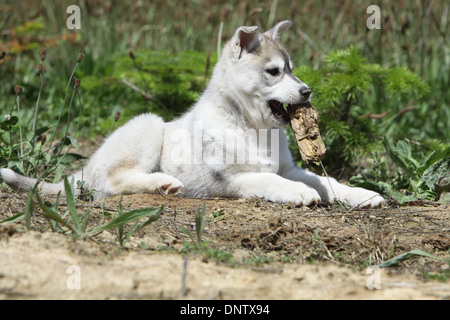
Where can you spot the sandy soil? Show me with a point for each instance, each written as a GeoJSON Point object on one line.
{"type": "Point", "coordinates": [252, 249]}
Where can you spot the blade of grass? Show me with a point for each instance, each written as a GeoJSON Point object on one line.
{"type": "Point", "coordinates": [120, 235]}
{"type": "Point", "coordinates": [55, 226]}
{"type": "Point", "coordinates": [14, 218]}
{"type": "Point", "coordinates": [29, 206]}
{"type": "Point", "coordinates": [126, 218]}
{"type": "Point", "coordinates": [408, 255]}
{"type": "Point", "coordinates": [200, 222]}
{"type": "Point", "coordinates": [138, 226]}
{"type": "Point", "coordinates": [71, 205]}
{"type": "Point", "coordinates": [187, 232]}
{"type": "Point", "coordinates": [20, 126]}
{"type": "Point", "coordinates": [36, 109]}
{"type": "Point", "coordinates": [85, 219]}
{"type": "Point", "coordinates": [52, 215]}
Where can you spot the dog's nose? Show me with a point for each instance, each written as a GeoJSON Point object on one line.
{"type": "Point", "coordinates": [305, 92]}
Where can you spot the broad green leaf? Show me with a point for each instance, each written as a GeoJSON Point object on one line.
{"type": "Point", "coordinates": [39, 131]}
{"type": "Point", "coordinates": [401, 155]}
{"type": "Point", "coordinates": [6, 123]}
{"type": "Point", "coordinates": [435, 173]}
{"type": "Point", "coordinates": [70, 141]}
{"type": "Point", "coordinates": [71, 157]}
{"type": "Point", "coordinates": [401, 198]}
{"type": "Point", "coordinates": [432, 158]}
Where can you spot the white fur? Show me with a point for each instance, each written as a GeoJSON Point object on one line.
{"type": "Point", "coordinates": [185, 156]}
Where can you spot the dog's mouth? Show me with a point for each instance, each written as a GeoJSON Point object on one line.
{"type": "Point", "coordinates": [279, 110]}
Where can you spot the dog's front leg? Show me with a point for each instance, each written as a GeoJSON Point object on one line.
{"type": "Point", "coordinates": [273, 187]}
{"type": "Point", "coordinates": [136, 181]}
{"type": "Point", "coordinates": [329, 189]}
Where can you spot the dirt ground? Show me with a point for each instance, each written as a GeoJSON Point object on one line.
{"type": "Point", "coordinates": [252, 249]}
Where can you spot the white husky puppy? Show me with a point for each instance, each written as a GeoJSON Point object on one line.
{"type": "Point", "coordinates": [230, 144]}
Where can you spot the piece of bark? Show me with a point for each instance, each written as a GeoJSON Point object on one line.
{"type": "Point", "coordinates": [305, 124]}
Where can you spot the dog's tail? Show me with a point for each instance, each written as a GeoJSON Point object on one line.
{"type": "Point", "coordinates": [22, 183]}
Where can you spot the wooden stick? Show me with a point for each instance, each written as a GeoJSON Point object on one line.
{"type": "Point", "coordinates": [305, 124]}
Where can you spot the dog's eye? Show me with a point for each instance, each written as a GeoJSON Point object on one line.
{"type": "Point", "coordinates": [273, 71]}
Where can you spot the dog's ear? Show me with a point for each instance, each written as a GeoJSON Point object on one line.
{"type": "Point", "coordinates": [245, 40]}
{"type": "Point", "coordinates": [274, 33]}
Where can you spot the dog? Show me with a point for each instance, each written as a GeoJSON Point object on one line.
{"type": "Point", "coordinates": [231, 143]}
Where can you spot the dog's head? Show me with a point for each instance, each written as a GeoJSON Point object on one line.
{"type": "Point", "coordinates": [257, 70]}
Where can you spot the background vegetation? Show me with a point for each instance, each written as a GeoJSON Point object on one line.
{"type": "Point", "coordinates": [382, 94]}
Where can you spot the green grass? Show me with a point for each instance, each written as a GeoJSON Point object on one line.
{"type": "Point", "coordinates": [78, 223]}
{"type": "Point", "coordinates": [201, 247]}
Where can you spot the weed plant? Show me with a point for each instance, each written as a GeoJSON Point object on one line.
{"type": "Point", "coordinates": [201, 247]}
{"type": "Point", "coordinates": [27, 156]}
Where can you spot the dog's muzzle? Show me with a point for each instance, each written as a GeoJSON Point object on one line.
{"type": "Point", "coordinates": [279, 109]}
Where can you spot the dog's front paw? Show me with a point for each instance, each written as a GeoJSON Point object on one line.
{"type": "Point", "coordinates": [168, 188]}
{"type": "Point", "coordinates": [300, 195]}
{"type": "Point", "coordinates": [361, 198]}
{"type": "Point", "coordinates": [168, 185]}
{"type": "Point", "coordinates": [310, 198]}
